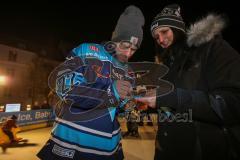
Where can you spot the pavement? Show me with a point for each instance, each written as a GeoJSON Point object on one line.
{"type": "Point", "coordinates": [141, 148]}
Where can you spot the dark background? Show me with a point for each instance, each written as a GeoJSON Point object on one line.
{"type": "Point", "coordinates": [63, 25]}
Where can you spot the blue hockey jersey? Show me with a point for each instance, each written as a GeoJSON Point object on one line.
{"type": "Point", "coordinates": [86, 127]}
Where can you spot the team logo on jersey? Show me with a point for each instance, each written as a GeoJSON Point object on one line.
{"type": "Point", "coordinates": [93, 48]}
{"type": "Point", "coordinates": [63, 152]}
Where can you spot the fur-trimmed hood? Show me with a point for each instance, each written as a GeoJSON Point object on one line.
{"type": "Point", "coordinates": [205, 29]}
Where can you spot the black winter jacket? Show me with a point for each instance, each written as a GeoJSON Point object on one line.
{"type": "Point", "coordinates": [205, 105]}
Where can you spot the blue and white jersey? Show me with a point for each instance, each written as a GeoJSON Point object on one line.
{"type": "Point", "coordinates": [87, 127]}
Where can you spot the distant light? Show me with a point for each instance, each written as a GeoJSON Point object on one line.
{"type": "Point", "coordinates": [1, 108]}
{"type": "Point", "coordinates": [36, 103]}
{"type": "Point", "coordinates": [29, 108]}
{"type": "Point", "coordinates": [3, 80]}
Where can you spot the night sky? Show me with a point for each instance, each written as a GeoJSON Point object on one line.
{"type": "Point", "coordinates": [72, 22]}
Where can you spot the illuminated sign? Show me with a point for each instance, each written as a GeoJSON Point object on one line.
{"type": "Point", "coordinates": [13, 107]}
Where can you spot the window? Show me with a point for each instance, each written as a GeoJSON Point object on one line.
{"type": "Point", "coordinates": [7, 92]}
{"type": "Point", "coordinates": [10, 72]}
{"type": "Point", "coordinates": [12, 56]}
{"type": "Point", "coordinates": [29, 92]}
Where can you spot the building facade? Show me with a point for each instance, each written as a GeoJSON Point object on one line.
{"type": "Point", "coordinates": [24, 77]}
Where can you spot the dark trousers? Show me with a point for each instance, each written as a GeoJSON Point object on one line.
{"type": "Point", "coordinates": [8, 133]}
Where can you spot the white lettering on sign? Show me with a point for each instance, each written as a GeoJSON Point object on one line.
{"type": "Point", "coordinates": [24, 117]}
{"type": "Point", "coordinates": [39, 115]}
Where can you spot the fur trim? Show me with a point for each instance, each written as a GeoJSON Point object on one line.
{"type": "Point", "coordinates": [205, 29]}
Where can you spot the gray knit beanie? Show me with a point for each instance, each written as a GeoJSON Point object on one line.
{"type": "Point", "coordinates": [129, 26]}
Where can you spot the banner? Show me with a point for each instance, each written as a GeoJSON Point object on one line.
{"type": "Point", "coordinates": [29, 117]}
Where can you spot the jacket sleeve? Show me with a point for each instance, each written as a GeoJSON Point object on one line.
{"type": "Point", "coordinates": [199, 102]}
{"type": "Point", "coordinates": [223, 79]}
{"type": "Point", "coordinates": [221, 104]}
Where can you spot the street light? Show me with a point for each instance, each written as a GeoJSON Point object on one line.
{"type": "Point", "coordinates": [3, 80]}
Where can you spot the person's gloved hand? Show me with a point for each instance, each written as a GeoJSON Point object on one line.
{"type": "Point", "coordinates": [124, 88]}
